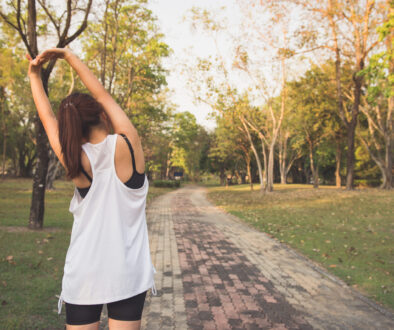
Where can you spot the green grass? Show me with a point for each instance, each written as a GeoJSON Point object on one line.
{"type": "Point", "coordinates": [350, 233]}
{"type": "Point", "coordinates": [30, 281]}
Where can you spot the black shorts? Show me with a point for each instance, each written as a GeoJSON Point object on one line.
{"type": "Point", "coordinates": [129, 309]}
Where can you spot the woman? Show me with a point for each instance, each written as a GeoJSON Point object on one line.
{"type": "Point", "coordinates": [108, 260]}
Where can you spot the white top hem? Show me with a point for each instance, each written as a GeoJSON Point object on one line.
{"type": "Point", "coordinates": [105, 301]}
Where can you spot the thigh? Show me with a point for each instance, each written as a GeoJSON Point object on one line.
{"type": "Point", "coordinates": [129, 309]}
{"type": "Point", "coordinates": [82, 314]}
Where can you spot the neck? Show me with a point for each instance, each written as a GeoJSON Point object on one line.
{"type": "Point", "coordinates": [96, 135]}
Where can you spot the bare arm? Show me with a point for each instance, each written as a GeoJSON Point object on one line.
{"type": "Point", "coordinates": [44, 108]}
{"type": "Point", "coordinates": [120, 122]}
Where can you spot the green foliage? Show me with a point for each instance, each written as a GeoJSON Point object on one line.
{"type": "Point", "coordinates": [125, 50]}
{"type": "Point", "coordinates": [16, 106]}
{"type": "Point", "coordinates": [314, 116]}
{"type": "Point", "coordinates": [166, 183]}
{"type": "Point", "coordinates": [187, 143]}
{"type": "Point", "coordinates": [367, 182]}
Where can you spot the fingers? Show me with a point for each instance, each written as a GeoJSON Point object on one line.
{"type": "Point", "coordinates": [36, 61]}
{"type": "Point", "coordinates": [46, 56]}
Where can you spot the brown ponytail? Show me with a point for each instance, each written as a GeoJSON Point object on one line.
{"type": "Point", "coordinates": [78, 112]}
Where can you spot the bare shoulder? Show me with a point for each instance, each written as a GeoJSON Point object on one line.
{"type": "Point", "coordinates": [135, 141]}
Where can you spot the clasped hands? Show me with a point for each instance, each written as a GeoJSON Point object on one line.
{"type": "Point", "coordinates": [48, 54]}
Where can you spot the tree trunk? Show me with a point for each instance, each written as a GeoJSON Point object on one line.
{"type": "Point", "coordinates": [222, 177]}
{"type": "Point", "coordinates": [389, 123]}
{"type": "Point", "coordinates": [238, 176]}
{"type": "Point", "coordinates": [351, 132]}
{"type": "Point", "coordinates": [389, 163]}
{"type": "Point", "coordinates": [265, 178]}
{"type": "Point", "coordinates": [168, 166]}
{"type": "Point", "coordinates": [338, 157]}
{"type": "Point", "coordinates": [4, 149]}
{"type": "Point", "coordinates": [314, 169]}
{"type": "Point", "coordinates": [37, 208]}
{"type": "Point", "coordinates": [53, 169]}
{"type": "Point", "coordinates": [249, 175]}
{"type": "Point", "coordinates": [270, 177]}
{"type": "Point", "coordinates": [255, 154]}
{"type": "Point", "coordinates": [282, 158]}
{"type": "Point", "coordinates": [2, 105]}
{"type": "Point", "coordinates": [36, 219]}
{"type": "Point", "coordinates": [103, 59]}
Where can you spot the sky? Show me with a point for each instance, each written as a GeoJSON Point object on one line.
{"type": "Point", "coordinates": [185, 43]}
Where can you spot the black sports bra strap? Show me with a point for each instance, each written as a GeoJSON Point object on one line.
{"type": "Point", "coordinates": [131, 151]}
{"type": "Point", "coordinates": [86, 174]}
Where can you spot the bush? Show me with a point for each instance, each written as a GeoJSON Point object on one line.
{"type": "Point", "coordinates": [166, 183]}
{"type": "Point", "coordinates": [367, 182]}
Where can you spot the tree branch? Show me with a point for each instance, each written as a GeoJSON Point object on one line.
{"type": "Point", "coordinates": [57, 27]}
{"type": "Point", "coordinates": [5, 18]}
{"type": "Point", "coordinates": [81, 28]}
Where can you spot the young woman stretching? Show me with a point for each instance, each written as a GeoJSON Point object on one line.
{"type": "Point", "coordinates": [108, 260]}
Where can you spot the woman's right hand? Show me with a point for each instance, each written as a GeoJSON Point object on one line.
{"type": "Point", "coordinates": [53, 53]}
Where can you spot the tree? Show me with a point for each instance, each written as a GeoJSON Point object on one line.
{"type": "Point", "coordinates": [125, 49]}
{"type": "Point", "coordinates": [270, 39]}
{"type": "Point", "coordinates": [28, 32]}
{"type": "Point", "coordinates": [188, 143]}
{"type": "Point", "coordinates": [219, 93]}
{"type": "Point", "coordinates": [17, 109]}
{"type": "Point", "coordinates": [358, 19]}
{"type": "Point", "coordinates": [378, 105]}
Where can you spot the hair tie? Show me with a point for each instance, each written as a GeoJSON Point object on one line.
{"type": "Point", "coordinates": [69, 103]}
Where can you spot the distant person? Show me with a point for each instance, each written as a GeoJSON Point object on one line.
{"type": "Point", "coordinates": [108, 260]}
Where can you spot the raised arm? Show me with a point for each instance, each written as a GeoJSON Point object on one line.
{"type": "Point", "coordinates": [44, 108]}
{"type": "Point", "coordinates": [120, 122]}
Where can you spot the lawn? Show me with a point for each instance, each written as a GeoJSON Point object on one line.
{"type": "Point", "coordinates": [31, 262]}
{"type": "Point", "coordinates": [350, 233]}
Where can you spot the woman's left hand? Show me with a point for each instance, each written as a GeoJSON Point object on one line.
{"type": "Point", "coordinates": [34, 66]}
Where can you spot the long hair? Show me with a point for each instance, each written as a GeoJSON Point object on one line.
{"type": "Point", "coordinates": [77, 113]}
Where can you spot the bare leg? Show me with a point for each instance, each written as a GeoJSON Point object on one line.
{"type": "Point", "coordinates": [90, 326]}
{"type": "Point", "coordinates": [124, 325]}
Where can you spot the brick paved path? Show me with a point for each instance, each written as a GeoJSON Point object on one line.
{"type": "Point", "coordinates": [215, 272]}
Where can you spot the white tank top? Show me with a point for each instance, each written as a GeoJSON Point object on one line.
{"type": "Point", "coordinates": [109, 255]}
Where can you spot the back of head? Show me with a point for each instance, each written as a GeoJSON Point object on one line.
{"type": "Point", "coordinates": [77, 114]}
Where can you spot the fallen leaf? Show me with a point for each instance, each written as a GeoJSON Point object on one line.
{"type": "Point", "coordinates": [332, 266]}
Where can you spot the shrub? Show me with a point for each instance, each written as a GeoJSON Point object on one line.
{"type": "Point", "coordinates": [166, 183]}
{"type": "Point", "coordinates": [367, 182]}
